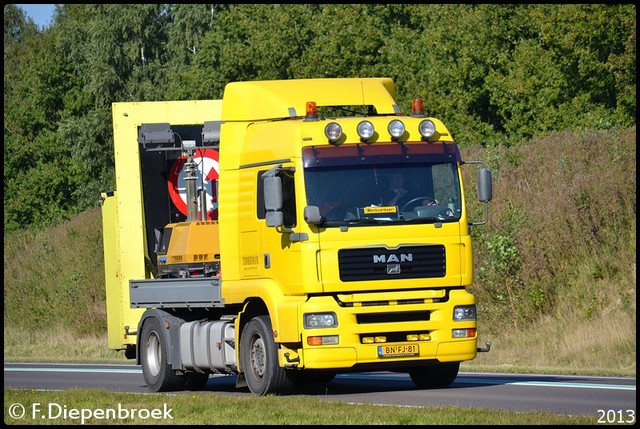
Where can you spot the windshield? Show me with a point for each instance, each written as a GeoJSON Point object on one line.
{"type": "Point", "coordinates": [373, 184]}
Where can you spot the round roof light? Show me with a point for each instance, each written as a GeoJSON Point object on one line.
{"type": "Point", "coordinates": [427, 129]}
{"type": "Point", "coordinates": [365, 130]}
{"type": "Point", "coordinates": [396, 129]}
{"type": "Point", "coordinates": [333, 131]}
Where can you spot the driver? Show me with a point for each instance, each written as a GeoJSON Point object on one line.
{"type": "Point", "coordinates": [395, 195]}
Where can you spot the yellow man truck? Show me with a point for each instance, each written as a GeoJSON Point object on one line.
{"type": "Point", "coordinates": [251, 237]}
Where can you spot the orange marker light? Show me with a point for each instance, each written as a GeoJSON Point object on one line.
{"type": "Point", "coordinates": [312, 109]}
{"type": "Point", "coordinates": [417, 107]}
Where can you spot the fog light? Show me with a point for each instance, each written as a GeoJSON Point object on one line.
{"type": "Point", "coordinates": [412, 337]}
{"type": "Point", "coordinates": [367, 340]}
{"type": "Point", "coordinates": [380, 339]}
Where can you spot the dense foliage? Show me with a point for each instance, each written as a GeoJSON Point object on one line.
{"type": "Point", "coordinates": [498, 75]}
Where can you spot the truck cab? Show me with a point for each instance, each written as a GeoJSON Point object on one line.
{"type": "Point", "coordinates": [309, 268]}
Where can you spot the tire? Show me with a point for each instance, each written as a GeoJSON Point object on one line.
{"type": "Point", "coordinates": [259, 359]}
{"type": "Point", "coordinates": [435, 376]}
{"type": "Point", "coordinates": [153, 355]}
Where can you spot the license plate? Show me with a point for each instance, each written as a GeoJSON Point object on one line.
{"type": "Point", "coordinates": [401, 350]}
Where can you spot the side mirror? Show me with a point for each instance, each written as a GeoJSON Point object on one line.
{"type": "Point", "coordinates": [274, 218]}
{"type": "Point", "coordinates": [272, 193]}
{"type": "Point", "coordinates": [485, 187]}
{"type": "Point", "coordinates": [312, 215]}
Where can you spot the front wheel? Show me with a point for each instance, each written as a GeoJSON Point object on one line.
{"type": "Point", "coordinates": [259, 359]}
{"type": "Point", "coordinates": [435, 376]}
{"type": "Point", "coordinates": [153, 355]}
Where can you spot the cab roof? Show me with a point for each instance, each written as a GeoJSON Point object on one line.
{"type": "Point", "coordinates": [276, 99]}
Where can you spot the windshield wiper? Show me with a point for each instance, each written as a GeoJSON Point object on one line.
{"type": "Point", "coordinates": [370, 221]}
{"type": "Point", "coordinates": [423, 219]}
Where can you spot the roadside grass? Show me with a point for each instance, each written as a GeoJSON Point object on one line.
{"type": "Point", "coordinates": [605, 345]}
{"type": "Point", "coordinates": [103, 407]}
{"type": "Point", "coordinates": [57, 345]}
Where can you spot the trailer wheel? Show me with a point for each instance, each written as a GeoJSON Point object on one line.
{"type": "Point", "coordinates": [153, 355]}
{"type": "Point", "coordinates": [259, 358]}
{"type": "Point", "coordinates": [435, 376]}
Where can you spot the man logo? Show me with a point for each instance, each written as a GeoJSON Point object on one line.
{"type": "Point", "coordinates": [393, 269]}
{"type": "Point", "coordinates": [387, 259]}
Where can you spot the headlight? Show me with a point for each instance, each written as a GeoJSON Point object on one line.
{"type": "Point", "coordinates": [320, 320]}
{"type": "Point", "coordinates": [427, 129]}
{"type": "Point", "coordinates": [464, 313]}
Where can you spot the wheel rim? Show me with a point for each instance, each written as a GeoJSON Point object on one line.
{"type": "Point", "coordinates": [258, 357]}
{"type": "Point", "coordinates": [154, 354]}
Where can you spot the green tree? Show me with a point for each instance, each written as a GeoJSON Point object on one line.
{"type": "Point", "coordinates": [120, 58]}
{"type": "Point", "coordinates": [446, 52]}
{"type": "Point", "coordinates": [186, 29]}
{"type": "Point", "coordinates": [37, 179]}
{"type": "Point", "coordinates": [346, 41]}
{"type": "Point", "coordinates": [254, 42]}
{"type": "Point", "coordinates": [16, 27]}
{"type": "Point", "coordinates": [568, 74]}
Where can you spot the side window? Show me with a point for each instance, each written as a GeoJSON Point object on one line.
{"type": "Point", "coordinates": [260, 210]}
{"type": "Point", "coordinates": [288, 197]}
{"type": "Point", "coordinates": [445, 184]}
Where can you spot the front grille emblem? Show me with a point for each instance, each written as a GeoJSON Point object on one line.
{"type": "Point", "coordinates": [393, 269]}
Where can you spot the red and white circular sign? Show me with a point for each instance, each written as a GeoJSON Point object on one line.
{"type": "Point", "coordinates": [207, 171]}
